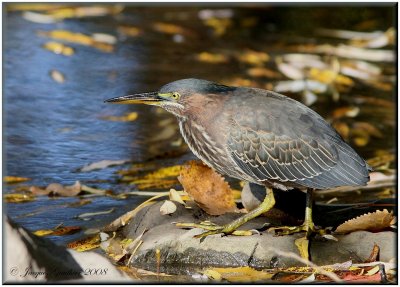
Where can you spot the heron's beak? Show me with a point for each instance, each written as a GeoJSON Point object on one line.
{"type": "Point", "coordinates": [146, 98]}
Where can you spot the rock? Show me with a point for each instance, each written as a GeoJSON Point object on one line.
{"type": "Point", "coordinates": [182, 254]}
{"type": "Point", "coordinates": [34, 259]}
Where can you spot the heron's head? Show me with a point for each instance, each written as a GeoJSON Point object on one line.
{"type": "Point", "coordinates": [175, 97]}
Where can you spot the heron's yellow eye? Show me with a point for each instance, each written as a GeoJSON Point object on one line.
{"type": "Point", "coordinates": [175, 96]}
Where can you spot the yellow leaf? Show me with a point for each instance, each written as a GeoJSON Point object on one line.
{"type": "Point", "coordinates": [59, 231]}
{"type": "Point", "coordinates": [168, 28]}
{"type": "Point", "coordinates": [126, 118]}
{"type": "Point", "coordinates": [18, 198]}
{"type": "Point", "coordinates": [43, 232]}
{"type": "Point", "coordinates": [212, 274]}
{"type": "Point", "coordinates": [240, 274]}
{"type": "Point", "coordinates": [251, 57]}
{"type": "Point", "coordinates": [85, 244]}
{"type": "Point", "coordinates": [59, 48]}
{"type": "Point", "coordinates": [15, 179]}
{"type": "Point", "coordinates": [161, 178]}
{"type": "Point", "coordinates": [212, 58]}
{"type": "Point", "coordinates": [77, 38]}
{"type": "Point", "coordinates": [219, 25]}
{"type": "Point", "coordinates": [302, 245]}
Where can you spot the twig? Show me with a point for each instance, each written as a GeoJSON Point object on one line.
{"type": "Point", "coordinates": [373, 185]}
{"type": "Point", "coordinates": [318, 269]}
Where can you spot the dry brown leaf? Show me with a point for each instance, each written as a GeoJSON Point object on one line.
{"type": "Point", "coordinates": [375, 221]}
{"type": "Point", "coordinates": [374, 256]}
{"type": "Point", "coordinates": [207, 188]}
{"type": "Point", "coordinates": [85, 244]}
{"type": "Point", "coordinates": [58, 189]}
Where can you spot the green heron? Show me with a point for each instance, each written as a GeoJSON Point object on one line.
{"type": "Point", "coordinates": [261, 137]}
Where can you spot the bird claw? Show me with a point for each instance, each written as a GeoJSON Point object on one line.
{"type": "Point", "coordinates": [213, 229]}
{"type": "Point", "coordinates": [287, 230]}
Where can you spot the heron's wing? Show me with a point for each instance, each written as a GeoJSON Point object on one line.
{"type": "Point", "coordinates": [287, 142]}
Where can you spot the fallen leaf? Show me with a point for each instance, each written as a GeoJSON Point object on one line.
{"type": "Point", "coordinates": [59, 48]}
{"type": "Point", "coordinates": [256, 58]}
{"type": "Point", "coordinates": [290, 71]}
{"type": "Point", "coordinates": [85, 244]}
{"type": "Point", "coordinates": [129, 31]}
{"type": "Point", "coordinates": [219, 25]}
{"type": "Point", "coordinates": [168, 28]}
{"type": "Point", "coordinates": [262, 72]}
{"type": "Point", "coordinates": [57, 76]}
{"type": "Point", "coordinates": [59, 231]}
{"type": "Point", "coordinates": [167, 207]}
{"type": "Point", "coordinates": [15, 179]}
{"type": "Point", "coordinates": [104, 38]}
{"type": "Point", "coordinates": [77, 38]}
{"type": "Point", "coordinates": [60, 190]}
{"type": "Point", "coordinates": [103, 164]}
{"type": "Point", "coordinates": [303, 245]}
{"type": "Point", "coordinates": [175, 196]}
{"type": "Point", "coordinates": [164, 177]}
{"type": "Point", "coordinates": [376, 221]}
{"type": "Point", "coordinates": [238, 274]}
{"type": "Point", "coordinates": [57, 14]}
{"type": "Point", "coordinates": [308, 279]}
{"type": "Point", "coordinates": [124, 219]}
{"type": "Point", "coordinates": [342, 128]}
{"type": "Point", "coordinates": [213, 275]}
{"type": "Point", "coordinates": [369, 128]}
{"type": "Point", "coordinates": [207, 188]}
{"type": "Point", "coordinates": [130, 117]}
{"type": "Point", "coordinates": [349, 277]}
{"type": "Point", "coordinates": [374, 256]}
{"type": "Point", "coordinates": [91, 214]}
{"type": "Point", "coordinates": [212, 58]}
{"type": "Point", "coordinates": [18, 198]}
{"type": "Point", "coordinates": [300, 85]}
{"type": "Point", "coordinates": [350, 112]}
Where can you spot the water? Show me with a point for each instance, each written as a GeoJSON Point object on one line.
{"type": "Point", "coordinates": [52, 129]}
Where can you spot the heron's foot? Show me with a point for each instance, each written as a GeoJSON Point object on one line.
{"type": "Point", "coordinates": [307, 226]}
{"type": "Point", "coordinates": [216, 229]}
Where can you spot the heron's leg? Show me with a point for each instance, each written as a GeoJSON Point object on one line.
{"type": "Point", "coordinates": [230, 228]}
{"type": "Point", "coordinates": [308, 225]}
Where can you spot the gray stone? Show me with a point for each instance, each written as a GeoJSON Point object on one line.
{"type": "Point", "coordinates": [182, 254]}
